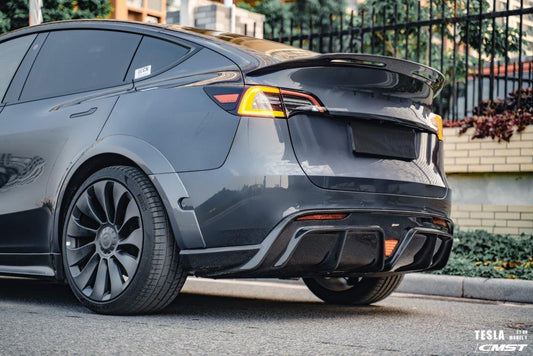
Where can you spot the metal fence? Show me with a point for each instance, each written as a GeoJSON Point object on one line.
{"type": "Point", "coordinates": [482, 48]}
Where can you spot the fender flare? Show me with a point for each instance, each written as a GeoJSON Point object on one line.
{"type": "Point", "coordinates": [153, 163]}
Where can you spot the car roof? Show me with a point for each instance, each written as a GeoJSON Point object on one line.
{"type": "Point", "coordinates": [247, 52]}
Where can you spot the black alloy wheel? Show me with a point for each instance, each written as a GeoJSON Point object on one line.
{"type": "Point", "coordinates": [104, 240]}
{"type": "Point", "coordinates": [119, 253]}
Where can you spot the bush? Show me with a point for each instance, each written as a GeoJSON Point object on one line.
{"type": "Point", "coordinates": [499, 119]}
{"type": "Point", "coordinates": [481, 254]}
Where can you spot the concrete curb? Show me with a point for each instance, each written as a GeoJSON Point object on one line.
{"type": "Point", "coordinates": [507, 290]}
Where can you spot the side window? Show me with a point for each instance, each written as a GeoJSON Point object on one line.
{"type": "Point", "coordinates": [153, 55]}
{"type": "Point", "coordinates": [11, 54]}
{"type": "Point", "coordinates": [75, 61]}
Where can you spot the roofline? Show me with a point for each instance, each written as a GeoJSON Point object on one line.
{"type": "Point", "coordinates": [242, 58]}
{"type": "Point", "coordinates": [81, 23]}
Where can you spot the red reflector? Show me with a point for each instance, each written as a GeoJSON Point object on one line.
{"type": "Point", "coordinates": [390, 245]}
{"type": "Point", "coordinates": [226, 98]}
{"type": "Point", "coordinates": [440, 222]}
{"type": "Point", "coordinates": [322, 217]}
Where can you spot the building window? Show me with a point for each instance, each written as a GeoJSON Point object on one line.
{"type": "Point", "coordinates": [155, 5]}
{"type": "Point", "coordinates": [136, 3]}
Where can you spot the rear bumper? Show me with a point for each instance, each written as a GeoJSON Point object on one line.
{"type": "Point", "coordinates": [353, 246]}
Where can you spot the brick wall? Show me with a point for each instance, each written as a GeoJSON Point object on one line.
{"type": "Point", "coordinates": [464, 154]}
{"type": "Point", "coordinates": [498, 219]}
{"type": "Point", "coordinates": [467, 157]}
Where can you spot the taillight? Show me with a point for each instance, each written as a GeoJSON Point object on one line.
{"type": "Point", "coordinates": [225, 96]}
{"type": "Point", "coordinates": [322, 217]}
{"type": "Point", "coordinates": [436, 123]}
{"type": "Point", "coordinates": [263, 101]}
{"type": "Point", "coordinates": [295, 101]}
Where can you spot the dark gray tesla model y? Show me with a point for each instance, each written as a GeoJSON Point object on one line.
{"type": "Point", "coordinates": [134, 155]}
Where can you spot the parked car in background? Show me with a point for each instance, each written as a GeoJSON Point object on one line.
{"type": "Point", "coordinates": [133, 155]}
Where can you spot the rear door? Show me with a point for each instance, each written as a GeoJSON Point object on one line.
{"type": "Point", "coordinates": [13, 169]}
{"type": "Point", "coordinates": [72, 86]}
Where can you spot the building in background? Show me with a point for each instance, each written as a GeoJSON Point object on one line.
{"type": "Point", "coordinates": [153, 11]}
{"type": "Point", "coordinates": [215, 15]}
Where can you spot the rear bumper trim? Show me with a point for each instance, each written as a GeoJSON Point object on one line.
{"type": "Point", "coordinates": [331, 248]}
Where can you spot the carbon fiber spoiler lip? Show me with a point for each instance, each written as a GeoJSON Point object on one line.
{"type": "Point", "coordinates": [433, 78]}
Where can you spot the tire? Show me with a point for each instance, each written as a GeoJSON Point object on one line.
{"type": "Point", "coordinates": [353, 291]}
{"type": "Point", "coordinates": [119, 254]}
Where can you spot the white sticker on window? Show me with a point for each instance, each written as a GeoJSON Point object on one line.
{"type": "Point", "coordinates": [143, 72]}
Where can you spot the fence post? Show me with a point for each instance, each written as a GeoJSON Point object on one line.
{"type": "Point", "coordinates": [467, 58]}
{"type": "Point", "coordinates": [395, 44]}
{"type": "Point", "coordinates": [431, 32]}
{"type": "Point", "coordinates": [418, 35]}
{"type": "Point", "coordinates": [301, 39]}
{"type": "Point", "coordinates": [454, 69]}
{"type": "Point", "coordinates": [362, 31]}
{"type": "Point", "coordinates": [321, 36]}
{"type": "Point", "coordinates": [330, 43]}
{"type": "Point", "coordinates": [520, 70]}
{"type": "Point", "coordinates": [290, 32]}
{"type": "Point", "coordinates": [506, 55]}
{"type": "Point", "coordinates": [492, 54]}
{"type": "Point", "coordinates": [442, 26]}
{"type": "Point", "coordinates": [351, 32]}
{"type": "Point", "coordinates": [407, 32]}
{"type": "Point", "coordinates": [310, 33]}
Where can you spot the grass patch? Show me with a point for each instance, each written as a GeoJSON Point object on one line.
{"type": "Point", "coordinates": [482, 254]}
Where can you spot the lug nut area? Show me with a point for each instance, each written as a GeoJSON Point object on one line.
{"type": "Point", "coordinates": [107, 239]}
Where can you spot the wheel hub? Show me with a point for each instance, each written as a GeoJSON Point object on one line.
{"type": "Point", "coordinates": [104, 240]}
{"type": "Point", "coordinates": [107, 239]}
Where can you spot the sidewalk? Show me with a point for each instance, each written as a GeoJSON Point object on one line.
{"type": "Point", "coordinates": [505, 290]}
{"type": "Point", "coordinates": [508, 290]}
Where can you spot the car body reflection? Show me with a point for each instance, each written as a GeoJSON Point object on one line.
{"type": "Point", "coordinates": [16, 170]}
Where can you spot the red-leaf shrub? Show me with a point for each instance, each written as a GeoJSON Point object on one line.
{"type": "Point", "coordinates": [499, 119]}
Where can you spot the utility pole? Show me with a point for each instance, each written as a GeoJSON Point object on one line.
{"type": "Point", "coordinates": [36, 16]}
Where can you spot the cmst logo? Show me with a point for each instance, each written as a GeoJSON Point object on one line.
{"type": "Point", "coordinates": [502, 347]}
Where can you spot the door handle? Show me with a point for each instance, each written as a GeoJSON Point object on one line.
{"type": "Point", "coordinates": [83, 113]}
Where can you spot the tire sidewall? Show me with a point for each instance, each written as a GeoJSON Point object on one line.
{"type": "Point", "coordinates": [146, 259]}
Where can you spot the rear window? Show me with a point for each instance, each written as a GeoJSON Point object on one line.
{"type": "Point", "coordinates": [74, 61]}
{"type": "Point", "coordinates": [153, 56]}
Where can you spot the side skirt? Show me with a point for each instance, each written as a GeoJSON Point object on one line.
{"type": "Point", "coordinates": [28, 264]}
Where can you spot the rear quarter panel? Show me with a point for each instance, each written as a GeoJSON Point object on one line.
{"type": "Point", "coordinates": [172, 113]}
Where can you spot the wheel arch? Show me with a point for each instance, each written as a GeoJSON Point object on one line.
{"type": "Point", "coordinates": [122, 150]}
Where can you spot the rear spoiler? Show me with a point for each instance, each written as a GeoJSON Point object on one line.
{"type": "Point", "coordinates": [433, 78]}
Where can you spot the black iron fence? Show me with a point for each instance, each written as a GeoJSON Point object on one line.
{"type": "Point", "coordinates": [484, 49]}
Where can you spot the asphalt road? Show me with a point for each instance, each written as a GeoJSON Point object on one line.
{"type": "Point", "coordinates": [247, 317]}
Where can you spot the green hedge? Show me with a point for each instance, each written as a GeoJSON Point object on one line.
{"type": "Point", "coordinates": [481, 254]}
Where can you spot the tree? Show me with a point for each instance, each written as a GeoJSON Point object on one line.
{"type": "Point", "coordinates": [485, 38]}
{"type": "Point", "coordinates": [15, 13]}
{"type": "Point", "coordinates": [278, 13]}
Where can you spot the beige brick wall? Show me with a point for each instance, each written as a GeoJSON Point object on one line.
{"type": "Point", "coordinates": [462, 154]}
{"type": "Point", "coordinates": [498, 219]}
